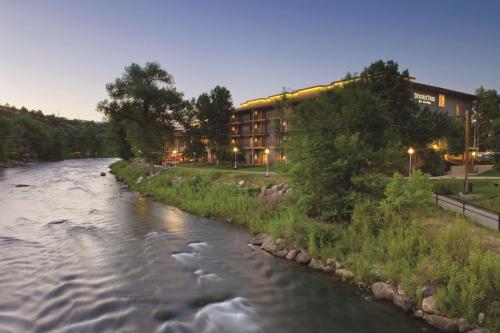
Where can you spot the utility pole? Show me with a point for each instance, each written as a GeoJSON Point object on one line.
{"type": "Point", "coordinates": [466, 153]}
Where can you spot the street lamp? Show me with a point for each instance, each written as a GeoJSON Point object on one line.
{"type": "Point", "coordinates": [235, 149]}
{"type": "Point", "coordinates": [174, 154]}
{"type": "Point", "coordinates": [267, 161]}
{"type": "Point", "coordinates": [410, 152]}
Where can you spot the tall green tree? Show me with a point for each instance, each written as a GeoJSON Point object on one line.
{"type": "Point", "coordinates": [214, 114]}
{"type": "Point", "coordinates": [487, 107]}
{"type": "Point", "coordinates": [385, 80]}
{"type": "Point", "coordinates": [346, 145]}
{"type": "Point", "coordinates": [144, 97]}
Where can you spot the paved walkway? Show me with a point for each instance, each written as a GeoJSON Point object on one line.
{"type": "Point", "coordinates": [462, 177]}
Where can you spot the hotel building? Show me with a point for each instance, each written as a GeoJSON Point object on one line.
{"type": "Point", "coordinates": [255, 123]}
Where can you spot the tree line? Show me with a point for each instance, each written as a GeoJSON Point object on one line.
{"type": "Point", "coordinates": [32, 136]}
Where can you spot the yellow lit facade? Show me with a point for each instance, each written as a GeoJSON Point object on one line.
{"type": "Point", "coordinates": [255, 123]}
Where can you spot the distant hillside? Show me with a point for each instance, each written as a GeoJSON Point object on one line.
{"type": "Point", "coordinates": [32, 136]}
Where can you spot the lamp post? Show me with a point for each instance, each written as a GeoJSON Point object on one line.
{"type": "Point", "coordinates": [174, 154]}
{"type": "Point", "coordinates": [235, 149]}
{"type": "Point", "coordinates": [267, 161]}
{"type": "Point", "coordinates": [410, 152]}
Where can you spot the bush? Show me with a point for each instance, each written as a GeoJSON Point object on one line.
{"type": "Point", "coordinates": [447, 187]}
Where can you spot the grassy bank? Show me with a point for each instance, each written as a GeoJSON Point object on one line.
{"type": "Point", "coordinates": [433, 248]}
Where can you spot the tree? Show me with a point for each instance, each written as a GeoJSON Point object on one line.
{"type": "Point", "coordinates": [214, 114]}
{"type": "Point", "coordinates": [343, 143]}
{"type": "Point", "coordinates": [487, 107]}
{"type": "Point", "coordinates": [394, 87]}
{"type": "Point", "coordinates": [146, 100]}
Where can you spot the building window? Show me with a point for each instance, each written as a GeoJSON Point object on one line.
{"type": "Point", "coordinates": [458, 113]}
{"type": "Point", "coordinates": [442, 101]}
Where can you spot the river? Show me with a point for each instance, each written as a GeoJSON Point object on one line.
{"type": "Point", "coordinates": [81, 253]}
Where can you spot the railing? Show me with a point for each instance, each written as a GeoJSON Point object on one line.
{"type": "Point", "coordinates": [484, 216]}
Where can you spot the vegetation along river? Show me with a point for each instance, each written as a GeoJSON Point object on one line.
{"type": "Point", "coordinates": [81, 253]}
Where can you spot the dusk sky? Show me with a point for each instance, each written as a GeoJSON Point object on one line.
{"type": "Point", "coordinates": [57, 56]}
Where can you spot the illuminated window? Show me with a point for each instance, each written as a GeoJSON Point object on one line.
{"type": "Point", "coordinates": [458, 113]}
{"type": "Point", "coordinates": [442, 101]}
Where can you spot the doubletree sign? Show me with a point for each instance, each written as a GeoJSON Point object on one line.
{"type": "Point", "coordinates": [424, 99]}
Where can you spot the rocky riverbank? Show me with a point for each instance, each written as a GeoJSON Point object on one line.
{"type": "Point", "coordinates": [382, 290]}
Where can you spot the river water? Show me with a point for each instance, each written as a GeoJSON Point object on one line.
{"type": "Point", "coordinates": [81, 253]}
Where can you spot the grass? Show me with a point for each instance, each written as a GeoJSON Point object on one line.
{"type": "Point", "coordinates": [485, 193]}
{"type": "Point", "coordinates": [274, 168]}
{"type": "Point", "coordinates": [490, 173]}
{"type": "Point", "coordinates": [435, 247]}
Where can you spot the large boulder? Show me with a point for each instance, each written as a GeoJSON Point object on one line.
{"type": "Point", "coordinates": [269, 246]}
{"type": "Point", "coordinates": [403, 302]}
{"type": "Point", "coordinates": [303, 258]}
{"type": "Point", "coordinates": [260, 239]}
{"type": "Point", "coordinates": [429, 305]}
{"type": "Point", "coordinates": [443, 323]}
{"type": "Point", "coordinates": [291, 254]}
{"type": "Point", "coordinates": [382, 290]}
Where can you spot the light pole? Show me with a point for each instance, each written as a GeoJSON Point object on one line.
{"type": "Point", "coordinates": [235, 149]}
{"type": "Point", "coordinates": [174, 154]}
{"type": "Point", "coordinates": [410, 152]}
{"type": "Point", "coordinates": [267, 161]}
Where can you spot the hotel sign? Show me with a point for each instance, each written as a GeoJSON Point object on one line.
{"type": "Point", "coordinates": [424, 99]}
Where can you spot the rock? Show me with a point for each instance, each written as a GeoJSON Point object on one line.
{"type": "Point", "coordinates": [480, 318]}
{"type": "Point", "coordinates": [303, 258]}
{"type": "Point", "coordinates": [140, 179]}
{"type": "Point", "coordinates": [241, 182]}
{"type": "Point", "coordinates": [330, 262]}
{"type": "Point", "coordinates": [269, 246]}
{"type": "Point", "coordinates": [427, 291]}
{"type": "Point", "coordinates": [403, 302]}
{"type": "Point", "coordinates": [419, 314]}
{"type": "Point", "coordinates": [344, 273]}
{"type": "Point", "coordinates": [103, 174]}
{"type": "Point", "coordinates": [480, 330]}
{"type": "Point", "coordinates": [382, 290]}
{"type": "Point", "coordinates": [319, 265]}
{"type": "Point", "coordinates": [291, 254]}
{"type": "Point", "coordinates": [274, 188]}
{"type": "Point", "coordinates": [443, 323]}
{"type": "Point", "coordinates": [229, 220]}
{"type": "Point", "coordinates": [429, 306]}
{"type": "Point", "coordinates": [22, 185]}
{"type": "Point", "coordinates": [280, 253]}
{"type": "Point", "coordinates": [281, 242]}
{"type": "Point", "coordinates": [260, 239]}
{"type": "Point", "coordinates": [463, 325]}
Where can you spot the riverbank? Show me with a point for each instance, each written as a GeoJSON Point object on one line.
{"type": "Point", "coordinates": [439, 267]}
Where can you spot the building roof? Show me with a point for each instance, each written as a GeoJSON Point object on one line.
{"type": "Point", "coordinates": [305, 93]}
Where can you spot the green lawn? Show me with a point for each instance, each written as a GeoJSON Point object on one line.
{"type": "Point", "coordinates": [490, 173]}
{"type": "Point", "coordinates": [485, 193]}
{"type": "Point", "coordinates": [279, 168]}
